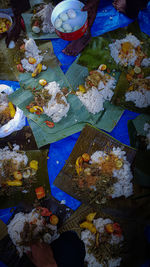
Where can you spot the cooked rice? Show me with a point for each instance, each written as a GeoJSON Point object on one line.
{"type": "Point", "coordinates": [86, 236]}
{"type": "Point", "coordinates": [94, 98]}
{"type": "Point", "coordinates": [31, 50]}
{"type": "Point", "coordinates": [115, 49]}
{"type": "Point", "coordinates": [15, 227]}
{"type": "Point", "coordinates": [123, 187]}
{"type": "Point", "coordinates": [140, 97]}
{"type": "Point", "coordinates": [54, 109]}
{"type": "Point", "coordinates": [147, 130]}
{"type": "Point", "coordinates": [16, 157]}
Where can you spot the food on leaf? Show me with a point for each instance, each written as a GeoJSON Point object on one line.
{"type": "Point", "coordinates": [89, 226]}
{"type": "Point", "coordinates": [42, 82]}
{"type": "Point", "coordinates": [31, 60]}
{"type": "Point", "coordinates": [17, 175]}
{"type": "Point", "coordinates": [37, 70]}
{"type": "Point", "coordinates": [14, 183]}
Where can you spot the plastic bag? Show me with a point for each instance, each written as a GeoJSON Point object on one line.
{"type": "Point", "coordinates": [15, 124]}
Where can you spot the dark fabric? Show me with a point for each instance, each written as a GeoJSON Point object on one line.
{"type": "Point", "coordinates": [134, 6]}
{"type": "Point", "coordinates": [19, 6]}
{"type": "Point", "coordinates": [69, 250]}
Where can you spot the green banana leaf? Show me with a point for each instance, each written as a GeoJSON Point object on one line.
{"type": "Point", "coordinates": [136, 131]}
{"type": "Point", "coordinates": [11, 196]}
{"type": "Point", "coordinates": [77, 116]}
{"type": "Point", "coordinates": [89, 141]}
{"type": "Point", "coordinates": [97, 52]}
{"type": "Point", "coordinates": [6, 72]}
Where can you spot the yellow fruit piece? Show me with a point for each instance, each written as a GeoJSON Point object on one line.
{"type": "Point", "coordinates": [34, 164]}
{"type": "Point", "coordinates": [86, 157]}
{"type": "Point", "coordinates": [126, 47]}
{"type": "Point", "coordinates": [17, 175]}
{"type": "Point", "coordinates": [35, 108]}
{"type": "Point", "coordinates": [131, 72]}
{"type": "Point", "coordinates": [78, 165]}
{"type": "Point", "coordinates": [54, 220]}
{"type": "Point", "coordinates": [131, 88]}
{"type": "Point", "coordinates": [82, 88]}
{"type": "Point", "coordinates": [42, 82]}
{"type": "Point", "coordinates": [90, 226]}
{"type": "Point", "coordinates": [90, 217]}
{"type": "Point", "coordinates": [109, 228]}
{"type": "Point", "coordinates": [129, 77]}
{"type": "Point", "coordinates": [37, 70]}
{"type": "Point", "coordinates": [31, 60]}
{"type": "Point", "coordinates": [137, 69]}
{"type": "Point", "coordinates": [119, 164]}
{"type": "Point", "coordinates": [11, 109]}
{"type": "Point", "coordinates": [102, 67]}
{"type": "Point", "coordinates": [14, 183]}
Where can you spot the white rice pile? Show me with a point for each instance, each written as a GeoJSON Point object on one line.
{"type": "Point", "coordinates": [16, 157]}
{"type": "Point", "coordinates": [140, 97]}
{"type": "Point", "coordinates": [145, 62]}
{"type": "Point", "coordinates": [123, 186]}
{"type": "Point", "coordinates": [94, 98]}
{"type": "Point", "coordinates": [54, 109]}
{"type": "Point", "coordinates": [115, 49]}
{"type": "Point", "coordinates": [15, 227]}
{"type": "Point", "coordinates": [31, 50]}
{"type": "Point", "coordinates": [147, 130]}
{"type": "Point", "coordinates": [86, 236]}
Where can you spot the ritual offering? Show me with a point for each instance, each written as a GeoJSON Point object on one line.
{"type": "Point", "coordinates": [32, 61]}
{"type": "Point", "coordinates": [139, 88]}
{"type": "Point", "coordinates": [69, 21]}
{"type": "Point", "coordinates": [128, 52]}
{"type": "Point", "coordinates": [38, 225]}
{"type": "Point", "coordinates": [98, 88]}
{"type": "Point", "coordinates": [98, 169]}
{"type": "Point", "coordinates": [20, 174]}
{"type": "Point", "coordinates": [41, 19]}
{"type": "Point", "coordinates": [103, 239]}
{"type": "Point", "coordinates": [5, 22]}
{"type": "Point", "coordinates": [11, 117]}
{"type": "Point", "coordinates": [50, 101]}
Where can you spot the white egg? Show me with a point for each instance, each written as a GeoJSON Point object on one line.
{"type": "Point", "coordinates": [77, 27]}
{"type": "Point", "coordinates": [71, 13]}
{"type": "Point", "coordinates": [35, 29]}
{"type": "Point", "coordinates": [58, 23]}
{"type": "Point", "coordinates": [64, 16]}
{"type": "Point", "coordinates": [11, 44]}
{"type": "Point", "coordinates": [61, 29]}
{"type": "Point", "coordinates": [67, 27]}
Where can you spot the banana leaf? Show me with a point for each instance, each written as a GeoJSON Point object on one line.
{"type": "Point", "coordinates": [24, 138]}
{"type": "Point", "coordinates": [77, 116]}
{"type": "Point", "coordinates": [89, 141]}
{"type": "Point", "coordinates": [97, 52]}
{"type": "Point", "coordinates": [136, 131]}
{"type": "Point", "coordinates": [8, 252]}
{"type": "Point", "coordinates": [6, 72]}
{"type": "Point", "coordinates": [11, 196]}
